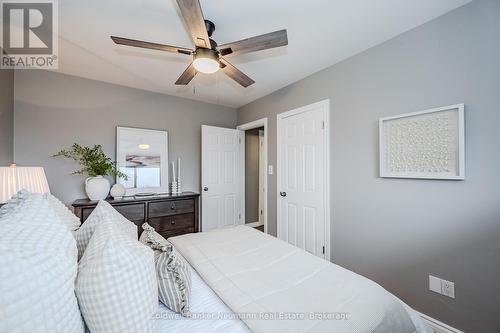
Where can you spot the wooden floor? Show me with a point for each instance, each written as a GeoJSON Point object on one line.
{"type": "Point", "coordinates": [261, 228]}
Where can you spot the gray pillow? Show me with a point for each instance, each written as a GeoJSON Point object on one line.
{"type": "Point", "coordinates": [172, 271]}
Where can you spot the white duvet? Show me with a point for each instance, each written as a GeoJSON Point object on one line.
{"type": "Point", "coordinates": [277, 287]}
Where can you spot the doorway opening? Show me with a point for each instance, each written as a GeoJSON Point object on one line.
{"type": "Point", "coordinates": [254, 184]}
{"type": "Point", "coordinates": [254, 178]}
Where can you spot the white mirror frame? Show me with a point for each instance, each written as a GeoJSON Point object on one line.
{"type": "Point", "coordinates": [163, 162]}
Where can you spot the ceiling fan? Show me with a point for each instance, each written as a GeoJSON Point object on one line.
{"type": "Point", "coordinates": [208, 57]}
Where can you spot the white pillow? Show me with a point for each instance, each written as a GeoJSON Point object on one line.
{"type": "Point", "coordinates": [116, 284]}
{"type": "Point", "coordinates": [37, 271]}
{"type": "Point", "coordinates": [63, 212]}
{"type": "Point", "coordinates": [13, 203]}
{"type": "Point", "coordinates": [103, 212]}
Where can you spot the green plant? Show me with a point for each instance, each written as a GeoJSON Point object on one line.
{"type": "Point", "coordinates": [92, 160]}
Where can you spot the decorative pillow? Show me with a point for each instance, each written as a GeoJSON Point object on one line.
{"type": "Point", "coordinates": [153, 239]}
{"type": "Point", "coordinates": [172, 270]}
{"type": "Point", "coordinates": [38, 270]}
{"type": "Point", "coordinates": [63, 212]}
{"type": "Point", "coordinates": [116, 284]}
{"type": "Point", "coordinates": [102, 213]}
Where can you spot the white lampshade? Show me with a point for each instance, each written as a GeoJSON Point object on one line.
{"type": "Point", "coordinates": [14, 178]}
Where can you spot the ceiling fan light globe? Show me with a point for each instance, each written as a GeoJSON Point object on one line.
{"type": "Point", "coordinates": [206, 61]}
{"type": "Point", "coordinates": [206, 65]}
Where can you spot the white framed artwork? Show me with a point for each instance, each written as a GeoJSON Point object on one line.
{"type": "Point", "coordinates": [142, 154]}
{"type": "Point", "coordinates": [428, 144]}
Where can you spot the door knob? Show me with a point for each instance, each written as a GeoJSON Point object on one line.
{"type": "Point", "coordinates": [283, 194]}
{"type": "Point", "coordinates": [205, 189]}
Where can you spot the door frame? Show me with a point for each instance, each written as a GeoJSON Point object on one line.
{"type": "Point", "coordinates": [262, 175]}
{"type": "Point", "coordinates": [244, 127]}
{"type": "Point", "coordinates": [325, 105]}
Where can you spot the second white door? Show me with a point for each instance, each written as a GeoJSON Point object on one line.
{"type": "Point", "coordinates": [220, 177]}
{"type": "Point", "coordinates": [303, 178]}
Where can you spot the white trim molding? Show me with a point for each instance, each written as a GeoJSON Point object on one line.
{"type": "Point", "coordinates": [437, 326]}
{"type": "Point", "coordinates": [244, 127]}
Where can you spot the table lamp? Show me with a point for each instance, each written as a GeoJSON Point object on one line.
{"type": "Point", "coordinates": [14, 178]}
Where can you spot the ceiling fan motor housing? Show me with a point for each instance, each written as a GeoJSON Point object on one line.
{"type": "Point", "coordinates": [206, 53]}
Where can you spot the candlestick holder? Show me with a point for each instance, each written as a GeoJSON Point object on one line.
{"type": "Point", "coordinates": [174, 187]}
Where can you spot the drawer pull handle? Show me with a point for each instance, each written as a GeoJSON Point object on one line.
{"type": "Point", "coordinates": [172, 207]}
{"type": "Point", "coordinates": [172, 222]}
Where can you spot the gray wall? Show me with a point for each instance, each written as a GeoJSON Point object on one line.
{"type": "Point", "coordinates": [397, 232]}
{"type": "Point", "coordinates": [6, 116]}
{"type": "Point", "coordinates": [53, 110]}
{"type": "Point", "coordinates": [252, 175]}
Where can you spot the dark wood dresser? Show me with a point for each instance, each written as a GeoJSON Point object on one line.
{"type": "Point", "coordinates": [170, 215]}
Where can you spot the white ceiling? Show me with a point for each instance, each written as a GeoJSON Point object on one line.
{"type": "Point", "coordinates": [320, 34]}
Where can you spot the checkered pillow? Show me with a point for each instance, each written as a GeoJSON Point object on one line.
{"type": "Point", "coordinates": [172, 270]}
{"type": "Point", "coordinates": [37, 271]}
{"type": "Point", "coordinates": [102, 213]}
{"type": "Point", "coordinates": [64, 214]}
{"type": "Point", "coordinates": [116, 284]}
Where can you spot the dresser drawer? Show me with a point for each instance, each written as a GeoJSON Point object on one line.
{"type": "Point", "coordinates": [167, 208]}
{"type": "Point", "coordinates": [133, 212]}
{"type": "Point", "coordinates": [174, 222]}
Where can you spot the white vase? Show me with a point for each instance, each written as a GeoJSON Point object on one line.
{"type": "Point", "coordinates": [117, 191]}
{"type": "Point", "coordinates": [97, 188]}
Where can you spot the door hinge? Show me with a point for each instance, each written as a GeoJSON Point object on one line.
{"type": "Point", "coordinates": [239, 140]}
{"type": "Point", "coordinates": [323, 250]}
{"type": "Point", "coordinates": [323, 124]}
{"type": "Point", "coordinates": [239, 216]}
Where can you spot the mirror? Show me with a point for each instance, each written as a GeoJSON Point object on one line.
{"type": "Point", "coordinates": [142, 154]}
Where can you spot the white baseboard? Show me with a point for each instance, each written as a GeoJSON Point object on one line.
{"type": "Point", "coordinates": [255, 224]}
{"type": "Point", "coordinates": [437, 326]}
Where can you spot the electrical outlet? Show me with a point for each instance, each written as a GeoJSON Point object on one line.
{"type": "Point", "coordinates": [440, 286]}
{"type": "Point", "coordinates": [270, 170]}
{"type": "Point", "coordinates": [448, 288]}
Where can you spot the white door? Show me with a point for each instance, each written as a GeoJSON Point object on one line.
{"type": "Point", "coordinates": [220, 177]}
{"type": "Point", "coordinates": [303, 217]}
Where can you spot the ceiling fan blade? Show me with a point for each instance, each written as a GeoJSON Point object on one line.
{"type": "Point", "coordinates": [149, 45]}
{"type": "Point", "coordinates": [235, 74]}
{"type": "Point", "coordinates": [193, 17]}
{"type": "Point", "coordinates": [187, 76]}
{"type": "Point", "coordinates": [257, 43]}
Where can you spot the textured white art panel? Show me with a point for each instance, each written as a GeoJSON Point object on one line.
{"type": "Point", "coordinates": [427, 144]}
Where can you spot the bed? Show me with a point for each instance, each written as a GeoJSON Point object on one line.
{"type": "Point", "coordinates": [242, 271]}
{"type": "Point", "coordinates": [242, 280]}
